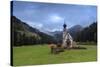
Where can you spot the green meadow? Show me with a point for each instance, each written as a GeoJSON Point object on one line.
{"type": "Point", "coordinates": [40, 54]}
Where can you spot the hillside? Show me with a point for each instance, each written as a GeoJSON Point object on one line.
{"type": "Point", "coordinates": [74, 30]}
{"type": "Point", "coordinates": [80, 33]}
{"type": "Point", "coordinates": [22, 33]}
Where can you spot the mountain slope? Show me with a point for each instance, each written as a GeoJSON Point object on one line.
{"type": "Point", "coordinates": [23, 34]}
{"type": "Point", "coordinates": [74, 30]}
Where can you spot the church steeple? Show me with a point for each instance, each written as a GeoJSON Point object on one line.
{"type": "Point", "coordinates": [66, 37]}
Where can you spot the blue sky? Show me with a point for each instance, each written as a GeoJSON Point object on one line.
{"type": "Point", "coordinates": [50, 16]}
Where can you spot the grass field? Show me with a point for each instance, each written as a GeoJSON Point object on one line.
{"type": "Point", "coordinates": [38, 54]}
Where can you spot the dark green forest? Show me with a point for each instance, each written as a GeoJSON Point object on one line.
{"type": "Point", "coordinates": [88, 33]}
{"type": "Point", "coordinates": [23, 34]}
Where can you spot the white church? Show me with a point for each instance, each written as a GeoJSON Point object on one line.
{"type": "Point", "coordinates": [67, 38]}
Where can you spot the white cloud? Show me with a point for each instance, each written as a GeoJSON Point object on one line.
{"type": "Point", "coordinates": [55, 18]}
{"type": "Point", "coordinates": [35, 24]}
{"type": "Point", "coordinates": [56, 29]}
{"type": "Point", "coordinates": [52, 30]}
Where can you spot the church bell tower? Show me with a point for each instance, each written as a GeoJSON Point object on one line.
{"type": "Point", "coordinates": [67, 41]}
{"type": "Point", "coordinates": [64, 34]}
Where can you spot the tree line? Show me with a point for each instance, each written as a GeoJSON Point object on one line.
{"type": "Point", "coordinates": [87, 34]}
